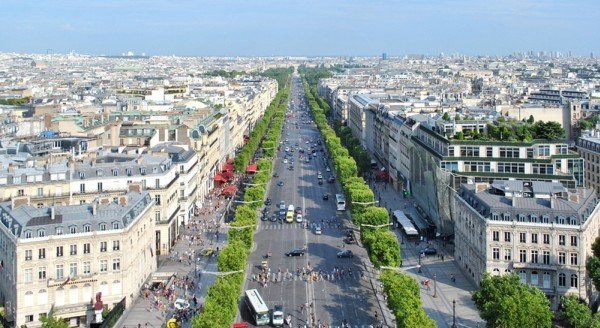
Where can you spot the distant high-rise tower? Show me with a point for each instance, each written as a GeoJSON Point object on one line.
{"type": "Point", "coordinates": [383, 56]}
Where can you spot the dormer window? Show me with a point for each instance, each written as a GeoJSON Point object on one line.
{"type": "Point", "coordinates": [28, 234]}
{"type": "Point", "coordinates": [115, 172]}
{"type": "Point", "coordinates": [155, 169]}
{"type": "Point", "coordinates": [571, 221]}
{"type": "Point", "coordinates": [102, 226]}
{"type": "Point", "coordinates": [115, 225]}
{"type": "Point", "coordinates": [72, 229]}
{"type": "Point", "coordinates": [59, 231]}
{"type": "Point", "coordinates": [142, 170]}
{"type": "Point", "coordinates": [506, 217]}
{"type": "Point", "coordinates": [521, 218]}
{"type": "Point", "coordinates": [41, 233]}
{"type": "Point", "coordinates": [99, 173]}
{"type": "Point", "coordinates": [82, 175]}
{"type": "Point", "coordinates": [87, 228]}
{"type": "Point", "coordinates": [545, 219]}
{"type": "Point", "coordinates": [128, 171]}
{"type": "Point", "coordinates": [560, 219]}
{"type": "Point", "coordinates": [533, 218]}
{"type": "Point", "coordinates": [495, 217]}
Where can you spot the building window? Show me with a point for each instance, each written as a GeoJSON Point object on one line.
{"type": "Point", "coordinates": [533, 218]}
{"type": "Point", "coordinates": [72, 269]}
{"type": "Point", "coordinates": [82, 188]}
{"type": "Point", "coordinates": [87, 228]}
{"type": "Point", "coordinates": [28, 234]}
{"type": "Point", "coordinates": [157, 216]}
{"type": "Point", "coordinates": [59, 271]}
{"type": "Point", "coordinates": [534, 278]}
{"type": "Point", "coordinates": [103, 246]}
{"type": "Point", "coordinates": [562, 240]}
{"type": "Point", "coordinates": [546, 257]}
{"type": "Point", "coordinates": [102, 226]}
{"type": "Point", "coordinates": [495, 217]}
{"type": "Point", "coordinates": [496, 235]}
{"type": "Point", "coordinates": [103, 265]}
{"type": "Point", "coordinates": [42, 273]}
{"type": "Point", "coordinates": [522, 237]}
{"type": "Point", "coordinates": [20, 192]}
{"type": "Point", "coordinates": [157, 183]}
{"type": "Point", "coordinates": [560, 220]}
{"type": "Point", "coordinates": [156, 199]}
{"type": "Point", "coordinates": [522, 255]}
{"type": "Point", "coordinates": [521, 218]}
{"type": "Point", "coordinates": [523, 276]}
{"type": "Point", "coordinates": [544, 150]}
{"type": "Point", "coordinates": [59, 231]}
{"type": "Point", "coordinates": [489, 151]}
{"type": "Point", "coordinates": [574, 280]}
{"type": "Point", "coordinates": [115, 225]}
{"type": "Point", "coordinates": [86, 268]}
{"type": "Point", "coordinates": [59, 251]}
{"type": "Point", "coordinates": [73, 249]}
{"type": "Point", "coordinates": [28, 276]}
{"type": "Point", "coordinates": [41, 253]}
{"type": "Point", "coordinates": [545, 219]}
{"type": "Point", "coordinates": [506, 217]}
{"type": "Point", "coordinates": [72, 229]}
{"type": "Point", "coordinates": [29, 318]}
{"type": "Point", "coordinates": [562, 280]}
{"type": "Point", "coordinates": [507, 254]}
{"type": "Point", "coordinates": [116, 245]}
{"type": "Point", "coordinates": [99, 186]}
{"type": "Point", "coordinates": [28, 255]}
{"type": "Point", "coordinates": [573, 240]}
{"type": "Point", "coordinates": [562, 258]}
{"type": "Point", "coordinates": [546, 238]}
{"type": "Point", "coordinates": [573, 258]}
{"type": "Point", "coordinates": [496, 253]}
{"type": "Point", "coordinates": [40, 192]}
{"type": "Point", "coordinates": [534, 256]}
{"type": "Point", "coordinates": [534, 238]}
{"type": "Point", "coordinates": [506, 236]}
{"type": "Point", "coordinates": [509, 152]}
{"type": "Point", "coordinates": [115, 172]}
{"type": "Point", "coordinates": [86, 248]}
{"type": "Point", "coordinates": [41, 233]}
{"type": "Point", "coordinates": [116, 264]}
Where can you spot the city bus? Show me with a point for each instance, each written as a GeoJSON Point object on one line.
{"type": "Point", "coordinates": [257, 307]}
{"type": "Point", "coordinates": [340, 201]}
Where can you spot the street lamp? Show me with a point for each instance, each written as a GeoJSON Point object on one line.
{"type": "Point", "coordinates": [453, 314]}
{"type": "Point", "coordinates": [434, 287]}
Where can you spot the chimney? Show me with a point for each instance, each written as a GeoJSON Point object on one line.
{"type": "Point", "coordinates": [552, 200]}
{"type": "Point", "coordinates": [137, 187]}
{"type": "Point", "coordinates": [139, 159]}
{"type": "Point", "coordinates": [93, 161]}
{"type": "Point", "coordinates": [52, 213]}
{"type": "Point", "coordinates": [94, 208]}
{"type": "Point", "coordinates": [123, 200]}
{"type": "Point", "coordinates": [11, 168]}
{"type": "Point", "coordinates": [16, 202]}
{"type": "Point", "coordinates": [105, 201]}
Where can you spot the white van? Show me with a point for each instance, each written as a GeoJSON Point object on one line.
{"type": "Point", "coordinates": [291, 208]}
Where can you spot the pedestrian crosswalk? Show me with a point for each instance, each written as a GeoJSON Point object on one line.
{"type": "Point", "coordinates": [281, 226]}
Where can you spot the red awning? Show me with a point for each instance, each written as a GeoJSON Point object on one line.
{"type": "Point", "coordinates": [219, 178]}
{"type": "Point", "coordinates": [239, 325]}
{"type": "Point", "coordinates": [252, 168]}
{"type": "Point", "coordinates": [227, 167]}
{"type": "Point", "coordinates": [227, 175]}
{"type": "Point", "coordinates": [229, 190]}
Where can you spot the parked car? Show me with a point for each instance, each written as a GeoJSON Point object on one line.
{"type": "Point", "coordinates": [276, 175]}
{"type": "Point", "coordinates": [264, 217]}
{"type": "Point", "coordinates": [429, 251]}
{"type": "Point", "coordinates": [295, 252]}
{"type": "Point", "coordinates": [299, 210]}
{"type": "Point", "coordinates": [265, 210]}
{"type": "Point", "coordinates": [325, 196]}
{"type": "Point", "coordinates": [268, 201]}
{"type": "Point", "coordinates": [318, 230]}
{"type": "Point", "coordinates": [331, 180]}
{"type": "Point", "coordinates": [280, 183]}
{"type": "Point", "coordinates": [345, 253]}
{"type": "Point", "coordinates": [273, 217]}
{"type": "Point", "coordinates": [299, 218]}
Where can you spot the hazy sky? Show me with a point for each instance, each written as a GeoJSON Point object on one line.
{"type": "Point", "coordinates": [301, 27]}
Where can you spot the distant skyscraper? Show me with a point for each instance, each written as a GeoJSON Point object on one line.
{"type": "Point", "coordinates": [383, 56]}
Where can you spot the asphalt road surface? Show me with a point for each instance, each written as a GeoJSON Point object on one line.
{"type": "Point", "coordinates": [330, 301]}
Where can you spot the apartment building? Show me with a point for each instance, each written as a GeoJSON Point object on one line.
{"type": "Point", "coordinates": [541, 231]}
{"type": "Point", "coordinates": [588, 146]}
{"type": "Point", "coordinates": [58, 258]}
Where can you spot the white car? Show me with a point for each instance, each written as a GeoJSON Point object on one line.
{"type": "Point", "coordinates": [328, 169]}
{"type": "Point", "coordinates": [285, 161]}
{"type": "Point", "coordinates": [299, 218]}
{"type": "Point", "coordinates": [319, 177]}
{"type": "Point", "coordinates": [287, 148]}
{"type": "Point", "coordinates": [318, 230]}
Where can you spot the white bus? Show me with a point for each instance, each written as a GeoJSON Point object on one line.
{"type": "Point", "coordinates": [257, 307]}
{"type": "Point", "coordinates": [340, 201]}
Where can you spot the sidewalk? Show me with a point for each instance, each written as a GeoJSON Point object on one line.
{"type": "Point", "coordinates": [439, 308]}
{"type": "Point", "coordinates": [184, 262]}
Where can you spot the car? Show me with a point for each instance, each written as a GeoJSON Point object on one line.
{"type": "Point", "coordinates": [291, 168]}
{"type": "Point", "coordinates": [281, 203]}
{"type": "Point", "coordinates": [299, 210]}
{"type": "Point", "coordinates": [319, 176]}
{"type": "Point", "coordinates": [264, 217]}
{"type": "Point", "coordinates": [429, 251]}
{"type": "Point", "coordinates": [287, 148]}
{"type": "Point", "coordinates": [325, 196]}
{"type": "Point", "coordinates": [280, 183]}
{"type": "Point", "coordinates": [295, 252]}
{"type": "Point", "coordinates": [285, 161]}
{"type": "Point", "coordinates": [276, 175]}
{"type": "Point", "coordinates": [320, 182]}
{"type": "Point", "coordinates": [350, 240]}
{"type": "Point", "coordinates": [306, 142]}
{"type": "Point", "coordinates": [299, 218]}
{"type": "Point", "coordinates": [273, 217]}
{"type": "Point", "coordinates": [331, 180]}
{"type": "Point", "coordinates": [328, 169]}
{"type": "Point", "coordinates": [345, 253]}
{"type": "Point", "coordinates": [265, 210]}
{"type": "Point", "coordinates": [268, 201]}
{"type": "Point", "coordinates": [277, 316]}
{"type": "Point", "coordinates": [318, 230]}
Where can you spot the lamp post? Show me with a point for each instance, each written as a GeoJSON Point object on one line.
{"type": "Point", "coordinates": [434, 287]}
{"type": "Point", "coordinates": [453, 314]}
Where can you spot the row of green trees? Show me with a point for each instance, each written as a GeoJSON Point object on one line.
{"type": "Point", "coordinates": [14, 101]}
{"type": "Point", "coordinates": [247, 153]}
{"type": "Point", "coordinates": [221, 303]}
{"type": "Point", "coordinates": [404, 300]}
{"type": "Point", "coordinates": [516, 131]}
